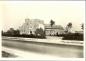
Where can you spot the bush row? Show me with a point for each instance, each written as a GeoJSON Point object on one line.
{"type": "Point", "coordinates": [26, 36]}
{"type": "Point", "coordinates": [74, 36]}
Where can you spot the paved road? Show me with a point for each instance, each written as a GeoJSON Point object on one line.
{"type": "Point", "coordinates": [59, 50]}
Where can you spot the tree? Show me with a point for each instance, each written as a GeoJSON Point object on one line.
{"type": "Point", "coordinates": [82, 26]}
{"type": "Point", "coordinates": [2, 32]}
{"type": "Point", "coordinates": [40, 32]}
{"type": "Point", "coordinates": [68, 27]}
{"type": "Point", "coordinates": [51, 24]}
{"type": "Point", "coordinates": [12, 32]}
{"type": "Point", "coordinates": [16, 32]}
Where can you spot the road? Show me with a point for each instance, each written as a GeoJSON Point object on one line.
{"type": "Point", "coordinates": [57, 50]}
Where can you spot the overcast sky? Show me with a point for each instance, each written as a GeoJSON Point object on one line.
{"type": "Point", "coordinates": [62, 12]}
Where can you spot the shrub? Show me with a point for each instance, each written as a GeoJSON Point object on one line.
{"type": "Point", "coordinates": [73, 36]}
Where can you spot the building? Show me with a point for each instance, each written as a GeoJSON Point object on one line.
{"type": "Point", "coordinates": [54, 30]}
{"type": "Point", "coordinates": [30, 26]}
{"type": "Point", "coordinates": [80, 32]}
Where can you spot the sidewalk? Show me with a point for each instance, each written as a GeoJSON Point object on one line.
{"type": "Point", "coordinates": [54, 40]}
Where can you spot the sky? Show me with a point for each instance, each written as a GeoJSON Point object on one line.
{"type": "Point", "coordinates": [62, 12]}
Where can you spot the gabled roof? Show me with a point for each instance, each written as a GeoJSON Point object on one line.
{"type": "Point", "coordinates": [48, 26]}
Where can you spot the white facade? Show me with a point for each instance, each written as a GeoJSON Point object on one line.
{"type": "Point", "coordinates": [53, 30]}
{"type": "Point", "coordinates": [30, 25]}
